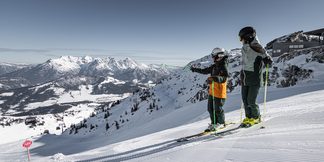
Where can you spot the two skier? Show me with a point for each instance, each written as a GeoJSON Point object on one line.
{"type": "Point", "coordinates": [253, 58]}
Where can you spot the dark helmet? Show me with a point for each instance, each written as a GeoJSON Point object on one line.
{"type": "Point", "coordinates": [247, 33]}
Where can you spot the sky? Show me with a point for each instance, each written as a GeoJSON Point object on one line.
{"type": "Point", "coordinates": [172, 32]}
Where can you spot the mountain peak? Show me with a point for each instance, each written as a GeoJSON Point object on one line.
{"type": "Point", "coordinates": [87, 59]}
{"type": "Point", "coordinates": [129, 63]}
{"type": "Point", "coordinates": [65, 63]}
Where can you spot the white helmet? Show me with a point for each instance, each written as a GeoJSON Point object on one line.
{"type": "Point", "coordinates": [220, 52]}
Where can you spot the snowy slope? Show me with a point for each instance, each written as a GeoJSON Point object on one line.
{"type": "Point", "coordinates": [293, 131]}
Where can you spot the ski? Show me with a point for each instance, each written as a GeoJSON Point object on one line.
{"type": "Point", "coordinates": [220, 132]}
{"type": "Point", "coordinates": [227, 132]}
{"type": "Point", "coordinates": [231, 131]}
{"type": "Point", "coordinates": [249, 125]}
{"type": "Point", "coordinates": [187, 138]}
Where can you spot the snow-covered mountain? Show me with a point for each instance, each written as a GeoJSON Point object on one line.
{"type": "Point", "coordinates": [8, 67]}
{"type": "Point", "coordinates": [144, 126]}
{"type": "Point", "coordinates": [83, 76]}
{"type": "Point", "coordinates": [53, 69]}
{"type": "Point", "coordinates": [298, 36]}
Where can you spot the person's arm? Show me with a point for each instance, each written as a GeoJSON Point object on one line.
{"type": "Point", "coordinates": [267, 59]}
{"type": "Point", "coordinates": [202, 71]}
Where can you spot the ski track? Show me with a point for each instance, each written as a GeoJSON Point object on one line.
{"type": "Point", "coordinates": [157, 150]}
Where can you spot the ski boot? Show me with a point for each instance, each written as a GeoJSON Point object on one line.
{"type": "Point", "coordinates": [211, 128]}
{"type": "Point", "coordinates": [214, 127]}
{"type": "Point", "coordinates": [245, 122]}
{"type": "Point", "coordinates": [251, 121]}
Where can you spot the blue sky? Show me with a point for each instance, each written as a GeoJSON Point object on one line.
{"type": "Point", "coordinates": [149, 31]}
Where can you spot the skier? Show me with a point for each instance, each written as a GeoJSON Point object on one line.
{"type": "Point", "coordinates": [253, 57]}
{"type": "Point", "coordinates": [217, 88]}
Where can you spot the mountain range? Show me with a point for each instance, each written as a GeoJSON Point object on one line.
{"type": "Point", "coordinates": [47, 83]}
{"type": "Point", "coordinates": [85, 106]}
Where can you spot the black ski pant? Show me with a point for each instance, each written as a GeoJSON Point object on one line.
{"type": "Point", "coordinates": [249, 96]}
{"type": "Point", "coordinates": [215, 109]}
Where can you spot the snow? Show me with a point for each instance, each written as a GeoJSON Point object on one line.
{"type": "Point", "coordinates": [81, 111]}
{"type": "Point", "coordinates": [21, 131]}
{"type": "Point", "coordinates": [294, 131]}
{"type": "Point", "coordinates": [65, 63]}
{"type": "Point", "coordinates": [112, 80]}
{"type": "Point", "coordinates": [7, 94]}
{"type": "Point", "coordinates": [84, 94]}
{"type": "Point", "coordinates": [35, 105]}
{"type": "Point", "coordinates": [87, 59]}
{"type": "Point", "coordinates": [73, 64]}
{"type": "Point", "coordinates": [58, 157]}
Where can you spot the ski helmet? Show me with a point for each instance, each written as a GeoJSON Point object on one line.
{"type": "Point", "coordinates": [247, 33]}
{"type": "Point", "coordinates": [219, 52]}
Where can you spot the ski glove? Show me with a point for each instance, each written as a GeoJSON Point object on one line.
{"type": "Point", "coordinates": [267, 60]}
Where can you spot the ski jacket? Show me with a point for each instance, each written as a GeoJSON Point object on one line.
{"type": "Point", "coordinates": [218, 78]}
{"type": "Point", "coordinates": [252, 55]}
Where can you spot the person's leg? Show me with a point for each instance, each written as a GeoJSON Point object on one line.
{"type": "Point", "coordinates": [220, 117]}
{"type": "Point", "coordinates": [251, 100]}
{"type": "Point", "coordinates": [211, 109]}
{"type": "Point", "coordinates": [245, 93]}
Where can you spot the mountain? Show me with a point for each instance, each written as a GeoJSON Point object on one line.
{"type": "Point", "coordinates": [144, 126]}
{"type": "Point", "coordinates": [45, 84]}
{"type": "Point", "coordinates": [53, 69]}
{"type": "Point", "coordinates": [8, 67]}
{"type": "Point", "coordinates": [298, 36]}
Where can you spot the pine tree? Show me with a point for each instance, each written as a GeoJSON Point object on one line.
{"type": "Point", "coordinates": [91, 127]}
{"type": "Point", "coordinates": [107, 126]}
{"type": "Point", "coordinates": [117, 125]}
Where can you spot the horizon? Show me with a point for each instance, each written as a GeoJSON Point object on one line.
{"type": "Point", "coordinates": [93, 56]}
{"type": "Point", "coordinates": [148, 31]}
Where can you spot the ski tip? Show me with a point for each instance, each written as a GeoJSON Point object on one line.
{"type": "Point", "coordinates": [262, 127]}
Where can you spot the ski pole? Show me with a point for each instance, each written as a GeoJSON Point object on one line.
{"type": "Point", "coordinates": [213, 91]}
{"type": "Point", "coordinates": [241, 118]}
{"type": "Point", "coordinates": [265, 91]}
